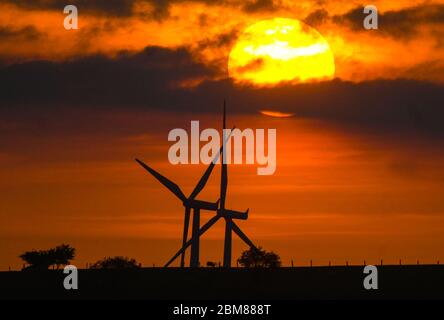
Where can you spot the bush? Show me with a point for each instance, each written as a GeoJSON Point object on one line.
{"type": "Point", "coordinates": [259, 258]}
{"type": "Point", "coordinates": [116, 263]}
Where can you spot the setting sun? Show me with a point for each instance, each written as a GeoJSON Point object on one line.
{"type": "Point", "coordinates": [280, 50]}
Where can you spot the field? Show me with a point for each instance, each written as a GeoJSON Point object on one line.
{"type": "Point", "coordinates": [395, 282]}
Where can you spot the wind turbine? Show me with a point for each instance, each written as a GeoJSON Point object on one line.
{"type": "Point", "coordinates": [222, 212]}
{"type": "Point", "coordinates": [228, 215]}
{"type": "Point", "coordinates": [190, 203]}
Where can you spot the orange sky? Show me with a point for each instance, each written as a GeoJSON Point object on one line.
{"type": "Point", "coordinates": [334, 196]}
{"type": "Point", "coordinates": [340, 192]}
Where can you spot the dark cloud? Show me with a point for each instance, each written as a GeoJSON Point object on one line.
{"type": "Point", "coordinates": [379, 105]}
{"type": "Point", "coordinates": [402, 23]}
{"type": "Point", "coordinates": [433, 69]}
{"type": "Point", "coordinates": [108, 7]}
{"type": "Point", "coordinates": [247, 5]}
{"type": "Point", "coordinates": [317, 17]}
{"type": "Point", "coordinates": [161, 7]}
{"type": "Point", "coordinates": [28, 33]}
{"type": "Point", "coordinates": [124, 8]}
{"type": "Point", "coordinates": [129, 79]}
{"type": "Point", "coordinates": [259, 5]}
{"type": "Point", "coordinates": [151, 80]}
{"type": "Point", "coordinates": [220, 40]}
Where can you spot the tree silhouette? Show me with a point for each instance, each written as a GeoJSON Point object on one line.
{"type": "Point", "coordinates": [116, 263]}
{"type": "Point", "coordinates": [62, 254]}
{"type": "Point", "coordinates": [36, 260]}
{"type": "Point", "coordinates": [259, 258]}
{"type": "Point", "coordinates": [211, 264]}
{"type": "Point", "coordinates": [43, 259]}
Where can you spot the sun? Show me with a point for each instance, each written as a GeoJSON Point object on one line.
{"type": "Point", "coordinates": [279, 50]}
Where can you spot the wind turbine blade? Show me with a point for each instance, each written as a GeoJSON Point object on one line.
{"type": "Point", "coordinates": [242, 235]}
{"type": "Point", "coordinates": [224, 169]}
{"type": "Point", "coordinates": [170, 185]}
{"type": "Point", "coordinates": [202, 182]}
{"type": "Point", "coordinates": [202, 230]}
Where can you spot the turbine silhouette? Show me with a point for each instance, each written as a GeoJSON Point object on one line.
{"type": "Point", "coordinates": [222, 212]}
{"type": "Point", "coordinates": [189, 203]}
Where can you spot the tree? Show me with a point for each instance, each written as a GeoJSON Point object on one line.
{"type": "Point", "coordinates": [272, 260]}
{"type": "Point", "coordinates": [259, 258]}
{"type": "Point", "coordinates": [116, 263]}
{"type": "Point", "coordinates": [43, 259]}
{"type": "Point", "coordinates": [62, 254]}
{"type": "Point", "coordinates": [36, 260]}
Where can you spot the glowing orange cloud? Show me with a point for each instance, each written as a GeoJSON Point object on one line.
{"type": "Point", "coordinates": [276, 114]}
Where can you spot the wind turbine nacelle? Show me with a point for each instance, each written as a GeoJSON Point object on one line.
{"type": "Point", "coordinates": [204, 205]}
{"type": "Point", "coordinates": [233, 214]}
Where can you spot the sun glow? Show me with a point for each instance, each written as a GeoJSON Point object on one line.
{"type": "Point", "coordinates": [280, 50]}
{"type": "Point", "coordinates": [276, 114]}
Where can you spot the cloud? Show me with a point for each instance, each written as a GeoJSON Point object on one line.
{"type": "Point", "coordinates": [317, 17]}
{"type": "Point", "coordinates": [225, 39]}
{"type": "Point", "coordinates": [125, 8]}
{"type": "Point", "coordinates": [28, 33]}
{"type": "Point", "coordinates": [253, 65]}
{"type": "Point", "coordinates": [259, 5]}
{"type": "Point", "coordinates": [151, 80]}
{"type": "Point", "coordinates": [161, 7]}
{"type": "Point", "coordinates": [432, 69]}
{"type": "Point", "coordinates": [106, 7]}
{"type": "Point", "coordinates": [128, 79]}
{"type": "Point", "coordinates": [403, 23]}
{"type": "Point", "coordinates": [114, 8]}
